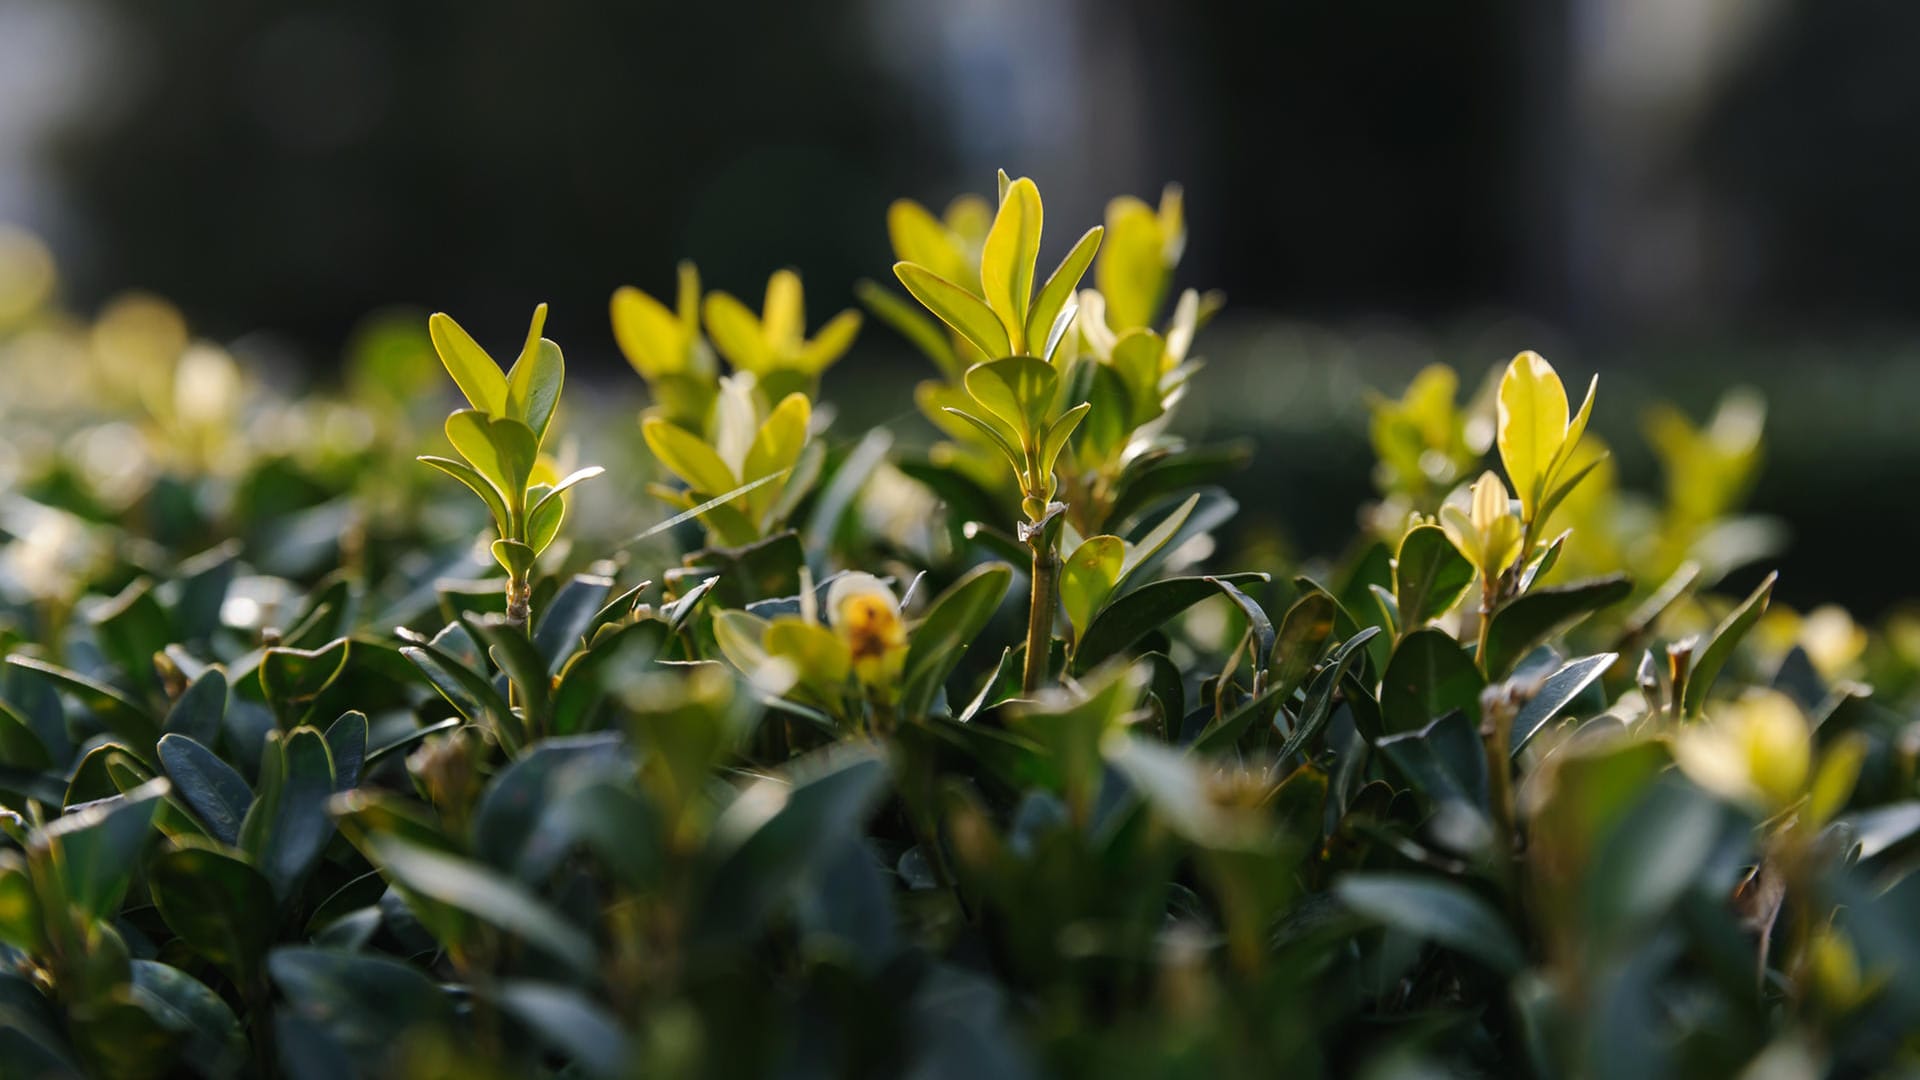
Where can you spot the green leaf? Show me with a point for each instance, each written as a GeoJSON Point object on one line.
{"type": "Point", "coordinates": [1555, 693]}
{"type": "Point", "coordinates": [367, 1003]}
{"type": "Point", "coordinates": [564, 620]}
{"type": "Point", "coordinates": [1429, 676]}
{"type": "Point", "coordinates": [20, 746]}
{"type": "Point", "coordinates": [1719, 648]}
{"type": "Point", "coordinates": [1017, 390]}
{"type": "Point", "coordinates": [200, 711]}
{"type": "Point", "coordinates": [779, 830]}
{"type": "Point", "coordinates": [1257, 622]}
{"type": "Point", "coordinates": [402, 743]}
{"type": "Point", "coordinates": [1429, 575]}
{"type": "Point", "coordinates": [293, 678]}
{"type": "Point", "coordinates": [210, 787]}
{"type": "Point", "coordinates": [1436, 910]}
{"type": "Point", "coordinates": [131, 628]}
{"type": "Point", "coordinates": [96, 846]}
{"type": "Point", "coordinates": [568, 481]}
{"type": "Point", "coordinates": [1148, 546]}
{"type": "Point", "coordinates": [567, 1022]}
{"type": "Point", "coordinates": [501, 902]}
{"type": "Point", "coordinates": [1006, 262]}
{"type": "Point", "coordinates": [1319, 704]}
{"type": "Point", "coordinates": [1151, 479]}
{"type": "Point", "coordinates": [476, 373]}
{"type": "Point", "coordinates": [969, 315]}
{"type": "Point", "coordinates": [1445, 760]}
{"type": "Point", "coordinates": [632, 647]}
{"type": "Point", "coordinates": [1088, 576]}
{"type": "Point", "coordinates": [1060, 286]}
{"type": "Point", "coordinates": [1536, 616]}
{"type": "Point", "coordinates": [1249, 714]}
{"type": "Point", "coordinates": [513, 556]}
{"type": "Point", "coordinates": [499, 448]}
{"type": "Point", "coordinates": [214, 1043]}
{"type": "Point", "coordinates": [510, 810]}
{"type": "Point", "coordinates": [998, 438]}
{"type": "Point", "coordinates": [954, 619]}
{"type": "Point", "coordinates": [1176, 787]}
{"type": "Point", "coordinates": [507, 644]}
{"type": "Point", "coordinates": [1144, 610]}
{"type": "Point", "coordinates": [347, 743]}
{"type": "Point", "coordinates": [114, 710]}
{"type": "Point", "coordinates": [1303, 635]}
{"type": "Point", "coordinates": [533, 387]}
{"type": "Point", "coordinates": [468, 692]}
{"type": "Point", "coordinates": [218, 904]}
{"type": "Point", "coordinates": [301, 825]}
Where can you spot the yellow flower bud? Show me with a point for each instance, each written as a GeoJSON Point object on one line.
{"type": "Point", "coordinates": [866, 616]}
{"type": "Point", "coordinates": [1487, 533]}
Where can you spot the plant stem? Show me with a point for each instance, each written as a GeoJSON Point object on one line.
{"type": "Point", "coordinates": [1039, 611]}
{"type": "Point", "coordinates": [519, 596]}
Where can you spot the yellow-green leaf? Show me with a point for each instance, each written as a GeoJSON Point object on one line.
{"type": "Point", "coordinates": [533, 386]}
{"type": "Point", "coordinates": [498, 448]}
{"type": "Point", "coordinates": [739, 635]}
{"type": "Point", "coordinates": [817, 654]}
{"type": "Point", "coordinates": [966, 313]}
{"type": "Point", "coordinates": [830, 344]}
{"type": "Point", "coordinates": [1058, 434]}
{"type": "Point", "coordinates": [1016, 389]}
{"type": "Point", "coordinates": [1006, 263]}
{"type": "Point", "coordinates": [478, 377]}
{"type": "Point", "coordinates": [783, 317]}
{"type": "Point", "coordinates": [1088, 578]}
{"type": "Point", "coordinates": [1060, 286]}
{"type": "Point", "coordinates": [919, 237]}
{"type": "Point", "coordinates": [1575, 430]}
{"type": "Point", "coordinates": [476, 482]}
{"type": "Point", "coordinates": [690, 459]}
{"type": "Point", "coordinates": [776, 446]}
{"type": "Point", "coordinates": [650, 336]}
{"type": "Point", "coordinates": [1132, 271]}
{"type": "Point", "coordinates": [737, 334]}
{"type": "Point", "coordinates": [543, 522]}
{"type": "Point", "coordinates": [1531, 422]}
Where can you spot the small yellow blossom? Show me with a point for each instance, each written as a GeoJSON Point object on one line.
{"type": "Point", "coordinates": [866, 616]}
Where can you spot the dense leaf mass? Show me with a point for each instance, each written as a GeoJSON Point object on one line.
{"type": "Point", "coordinates": [971, 748]}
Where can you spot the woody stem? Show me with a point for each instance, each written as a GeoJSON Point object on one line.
{"type": "Point", "coordinates": [1039, 612]}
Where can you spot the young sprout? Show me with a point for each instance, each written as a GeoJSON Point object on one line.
{"type": "Point", "coordinates": [1489, 536]}
{"type": "Point", "coordinates": [737, 438]}
{"type": "Point", "coordinates": [1537, 439]}
{"type": "Point", "coordinates": [499, 439]}
{"type": "Point", "coordinates": [1016, 402]}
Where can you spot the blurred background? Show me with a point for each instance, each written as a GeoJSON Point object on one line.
{"type": "Point", "coordinates": [1683, 195]}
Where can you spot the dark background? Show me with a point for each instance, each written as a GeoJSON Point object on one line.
{"type": "Point", "coordinates": [1681, 194]}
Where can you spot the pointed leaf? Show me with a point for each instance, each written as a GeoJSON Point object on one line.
{"type": "Point", "coordinates": [1061, 285]}
{"type": "Point", "coordinates": [969, 316]}
{"type": "Point", "coordinates": [476, 373]}
{"type": "Point", "coordinates": [217, 794]}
